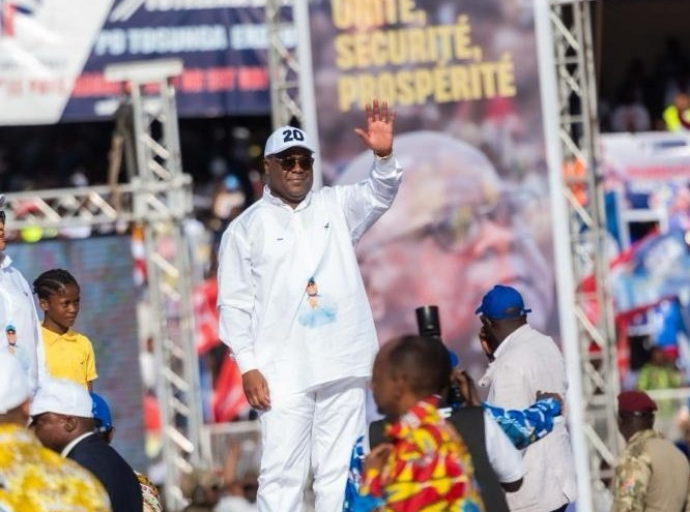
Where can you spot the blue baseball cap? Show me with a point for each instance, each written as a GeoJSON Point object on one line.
{"type": "Point", "coordinates": [101, 413]}
{"type": "Point", "coordinates": [454, 360]}
{"type": "Point", "coordinates": [502, 302]}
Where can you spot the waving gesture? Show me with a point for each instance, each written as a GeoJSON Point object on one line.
{"type": "Point", "coordinates": [379, 133]}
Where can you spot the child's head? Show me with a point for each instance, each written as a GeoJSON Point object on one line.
{"type": "Point", "coordinates": [58, 297]}
{"type": "Point", "coordinates": [407, 370]}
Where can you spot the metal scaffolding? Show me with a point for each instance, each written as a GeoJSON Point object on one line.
{"type": "Point", "coordinates": [578, 162]}
{"type": "Point", "coordinates": [290, 69]}
{"type": "Point", "coordinates": [283, 65]}
{"type": "Point", "coordinates": [157, 197]}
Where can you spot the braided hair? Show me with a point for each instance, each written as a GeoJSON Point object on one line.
{"type": "Point", "coordinates": [52, 282]}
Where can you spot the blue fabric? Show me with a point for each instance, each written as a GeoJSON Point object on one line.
{"type": "Point", "coordinates": [101, 412]}
{"type": "Point", "coordinates": [527, 426]}
{"type": "Point", "coordinates": [668, 323]}
{"type": "Point", "coordinates": [353, 501]}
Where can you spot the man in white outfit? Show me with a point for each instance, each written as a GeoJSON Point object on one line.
{"type": "Point", "coordinates": [19, 334]}
{"type": "Point", "coordinates": [295, 314]}
{"type": "Point", "coordinates": [524, 362]}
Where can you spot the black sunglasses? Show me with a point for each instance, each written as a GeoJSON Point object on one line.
{"type": "Point", "coordinates": [2, 216]}
{"type": "Point", "coordinates": [287, 163]}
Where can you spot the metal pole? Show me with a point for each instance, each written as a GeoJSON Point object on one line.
{"type": "Point", "coordinates": [564, 262]}
{"type": "Point", "coordinates": [306, 83]}
{"type": "Point", "coordinates": [162, 200]}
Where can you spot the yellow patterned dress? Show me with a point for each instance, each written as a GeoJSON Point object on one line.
{"type": "Point", "coordinates": [36, 479]}
{"type": "Point", "coordinates": [429, 470]}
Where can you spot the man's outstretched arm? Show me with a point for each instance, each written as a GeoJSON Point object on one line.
{"type": "Point", "coordinates": [528, 425]}
{"type": "Point", "coordinates": [523, 427]}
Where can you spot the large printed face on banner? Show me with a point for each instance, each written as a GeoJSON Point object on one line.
{"type": "Point", "coordinates": [473, 209]}
{"type": "Point", "coordinates": [456, 229]}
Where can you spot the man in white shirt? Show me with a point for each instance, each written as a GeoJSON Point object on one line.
{"type": "Point", "coordinates": [19, 323]}
{"type": "Point", "coordinates": [295, 314]}
{"type": "Point", "coordinates": [523, 362]}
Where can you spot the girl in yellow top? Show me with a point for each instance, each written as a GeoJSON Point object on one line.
{"type": "Point", "coordinates": [68, 354]}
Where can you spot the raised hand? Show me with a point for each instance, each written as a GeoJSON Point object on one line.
{"type": "Point", "coordinates": [466, 387]}
{"type": "Point", "coordinates": [379, 133]}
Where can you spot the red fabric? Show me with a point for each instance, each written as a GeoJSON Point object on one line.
{"type": "Point", "coordinates": [228, 401]}
{"type": "Point", "coordinates": [429, 467]}
{"type": "Point", "coordinates": [671, 353]}
{"type": "Point", "coordinates": [635, 401]}
{"type": "Point", "coordinates": [8, 19]}
{"type": "Point", "coordinates": [152, 414]}
{"type": "Point", "coordinates": [204, 298]}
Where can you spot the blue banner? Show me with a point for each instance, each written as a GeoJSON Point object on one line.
{"type": "Point", "coordinates": [53, 54]}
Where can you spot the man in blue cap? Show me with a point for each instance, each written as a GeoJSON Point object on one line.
{"type": "Point", "coordinates": [523, 362]}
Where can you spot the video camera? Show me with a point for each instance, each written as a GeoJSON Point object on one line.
{"type": "Point", "coordinates": [429, 324]}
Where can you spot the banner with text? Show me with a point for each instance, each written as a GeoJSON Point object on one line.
{"type": "Point", "coordinates": [473, 209]}
{"type": "Point", "coordinates": [52, 55]}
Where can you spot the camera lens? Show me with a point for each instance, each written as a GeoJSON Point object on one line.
{"type": "Point", "coordinates": [428, 322]}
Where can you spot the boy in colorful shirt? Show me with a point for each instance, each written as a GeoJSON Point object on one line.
{"type": "Point", "coordinates": [426, 466]}
{"type": "Point", "coordinates": [522, 428]}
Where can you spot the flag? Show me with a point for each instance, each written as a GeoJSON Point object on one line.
{"type": "Point", "coordinates": [229, 402]}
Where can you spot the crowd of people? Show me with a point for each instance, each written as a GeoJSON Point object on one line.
{"type": "Point", "coordinates": [651, 98]}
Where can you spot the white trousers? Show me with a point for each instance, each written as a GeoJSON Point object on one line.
{"type": "Point", "coordinates": [317, 428]}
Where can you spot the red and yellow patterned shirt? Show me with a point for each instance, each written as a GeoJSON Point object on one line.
{"type": "Point", "coordinates": [429, 469]}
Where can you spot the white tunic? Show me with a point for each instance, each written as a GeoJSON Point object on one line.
{"type": "Point", "coordinates": [268, 256]}
{"type": "Point", "coordinates": [525, 362]}
{"type": "Point", "coordinates": [17, 308]}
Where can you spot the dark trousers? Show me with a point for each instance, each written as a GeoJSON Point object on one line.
{"type": "Point", "coordinates": [562, 509]}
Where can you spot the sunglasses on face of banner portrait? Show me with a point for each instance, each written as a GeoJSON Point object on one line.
{"type": "Point", "coordinates": [456, 226]}
{"type": "Point", "coordinates": [287, 163]}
